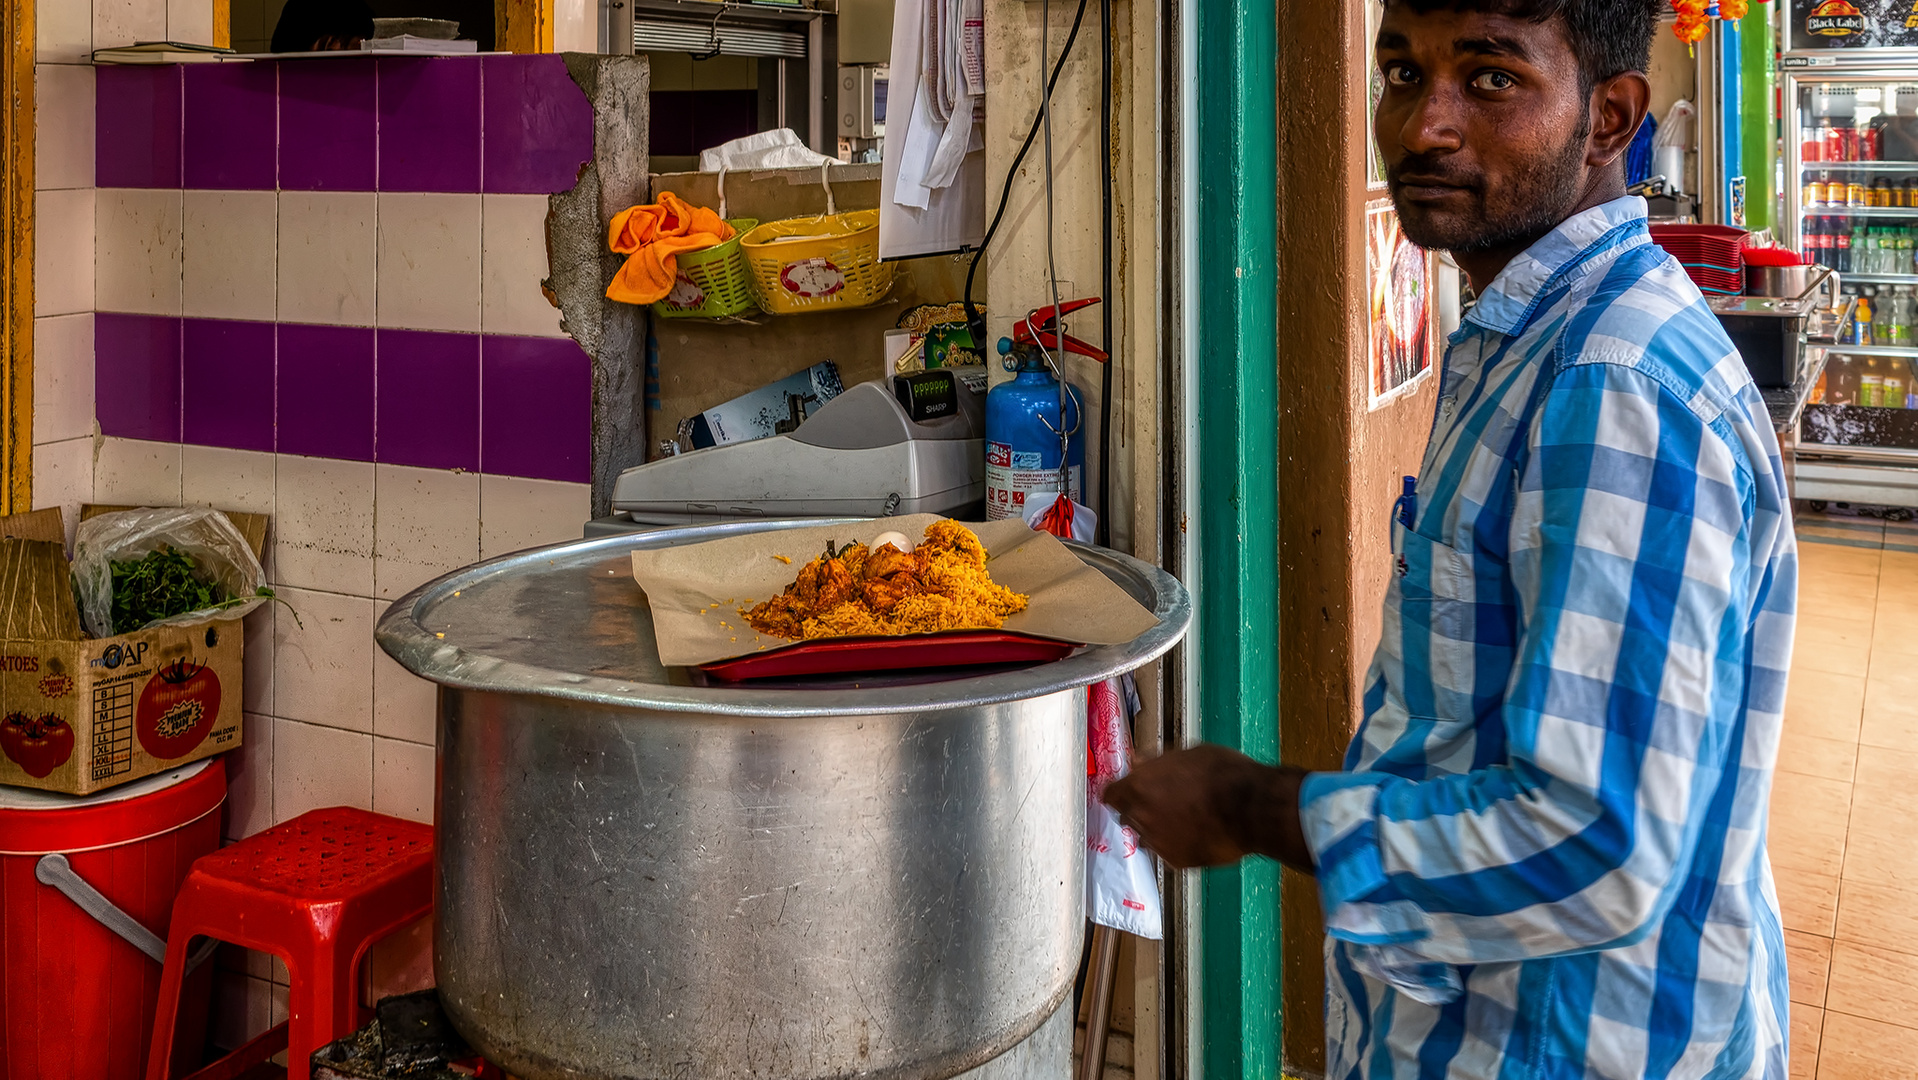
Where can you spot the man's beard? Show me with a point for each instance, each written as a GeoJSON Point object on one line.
{"type": "Point", "coordinates": [1543, 195]}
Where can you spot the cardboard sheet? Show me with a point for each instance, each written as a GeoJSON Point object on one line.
{"type": "Point", "coordinates": [1070, 601]}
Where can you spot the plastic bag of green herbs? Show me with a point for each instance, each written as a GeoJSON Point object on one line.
{"type": "Point", "coordinates": [177, 565]}
{"type": "Point", "coordinates": [159, 585]}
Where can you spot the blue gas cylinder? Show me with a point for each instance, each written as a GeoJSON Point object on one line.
{"type": "Point", "coordinates": [1022, 451]}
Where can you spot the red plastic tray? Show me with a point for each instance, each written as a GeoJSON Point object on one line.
{"type": "Point", "coordinates": [839, 656]}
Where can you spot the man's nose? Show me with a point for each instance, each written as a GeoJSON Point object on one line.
{"type": "Point", "coordinates": [1433, 124]}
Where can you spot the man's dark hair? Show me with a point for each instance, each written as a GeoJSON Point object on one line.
{"type": "Point", "coordinates": [1609, 37]}
{"type": "Point", "coordinates": [306, 22]}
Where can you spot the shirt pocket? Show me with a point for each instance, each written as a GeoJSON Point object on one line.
{"type": "Point", "coordinates": [1441, 603]}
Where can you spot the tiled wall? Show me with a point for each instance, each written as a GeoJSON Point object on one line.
{"type": "Point", "coordinates": [318, 297]}
{"type": "Point", "coordinates": [63, 255]}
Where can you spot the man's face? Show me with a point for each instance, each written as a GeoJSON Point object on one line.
{"type": "Point", "coordinates": [1483, 127]}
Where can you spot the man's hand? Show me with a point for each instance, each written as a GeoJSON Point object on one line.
{"type": "Point", "coordinates": [1209, 806]}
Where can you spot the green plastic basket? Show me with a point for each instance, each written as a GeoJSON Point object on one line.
{"type": "Point", "coordinates": [713, 283]}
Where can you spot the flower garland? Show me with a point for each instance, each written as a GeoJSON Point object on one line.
{"type": "Point", "coordinates": [1694, 16]}
{"type": "Point", "coordinates": [1692, 21]}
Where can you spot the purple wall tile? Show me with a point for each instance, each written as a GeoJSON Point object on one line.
{"type": "Point", "coordinates": [136, 112]}
{"type": "Point", "coordinates": [329, 126]}
{"type": "Point", "coordinates": [536, 398]}
{"type": "Point", "coordinates": [227, 369]}
{"type": "Point", "coordinates": [430, 124]}
{"type": "Point", "coordinates": [428, 399]}
{"type": "Point", "coordinates": [538, 125]}
{"type": "Point", "coordinates": [326, 390]}
{"type": "Point", "coordinates": [231, 116]}
{"type": "Point", "coordinates": [136, 376]}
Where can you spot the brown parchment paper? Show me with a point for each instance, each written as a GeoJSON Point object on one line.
{"type": "Point", "coordinates": [1070, 601]}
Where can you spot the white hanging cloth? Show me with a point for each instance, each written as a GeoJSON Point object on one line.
{"type": "Point", "coordinates": [932, 191]}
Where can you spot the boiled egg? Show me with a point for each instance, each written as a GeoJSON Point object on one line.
{"type": "Point", "coordinates": [897, 540]}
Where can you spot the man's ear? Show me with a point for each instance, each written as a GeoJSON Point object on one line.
{"type": "Point", "coordinates": [1618, 105]}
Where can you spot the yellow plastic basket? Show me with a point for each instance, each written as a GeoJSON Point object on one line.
{"type": "Point", "coordinates": [711, 284]}
{"type": "Point", "coordinates": [823, 263]}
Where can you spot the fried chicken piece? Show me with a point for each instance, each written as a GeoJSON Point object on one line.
{"type": "Point", "coordinates": [942, 585]}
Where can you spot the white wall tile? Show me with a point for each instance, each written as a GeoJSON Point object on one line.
{"type": "Point", "coordinates": [429, 261]}
{"type": "Point", "coordinates": [228, 255]}
{"type": "Point", "coordinates": [63, 128]}
{"type": "Point", "coordinates": [513, 263]}
{"type": "Point", "coordinates": [426, 523]}
{"type": "Point", "coordinates": [63, 477]}
{"type": "Point", "coordinates": [261, 638]}
{"type": "Point", "coordinates": [137, 250]}
{"type": "Point", "coordinates": [315, 766]}
{"type": "Point", "coordinates": [323, 660]}
{"type": "Point", "coordinates": [328, 253]}
{"type": "Point", "coordinates": [190, 21]}
{"type": "Point", "coordinates": [405, 706]}
{"type": "Point", "coordinates": [63, 224]}
{"type": "Point", "coordinates": [517, 513]}
{"type": "Point", "coordinates": [123, 22]}
{"type": "Point", "coordinates": [249, 781]}
{"type": "Point", "coordinates": [323, 525]}
{"type": "Point", "coordinates": [63, 31]}
{"type": "Point", "coordinates": [236, 480]}
{"type": "Point", "coordinates": [403, 779]}
{"type": "Point", "coordinates": [135, 472]}
{"type": "Point", "coordinates": [399, 963]}
{"type": "Point", "coordinates": [62, 377]}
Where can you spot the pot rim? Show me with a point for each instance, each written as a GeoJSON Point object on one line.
{"type": "Point", "coordinates": [420, 651]}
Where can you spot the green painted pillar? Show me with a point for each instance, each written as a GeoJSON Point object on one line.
{"type": "Point", "coordinates": [1757, 43]}
{"type": "Point", "coordinates": [1235, 392]}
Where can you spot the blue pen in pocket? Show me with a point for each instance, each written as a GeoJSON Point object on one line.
{"type": "Point", "coordinates": [1404, 512]}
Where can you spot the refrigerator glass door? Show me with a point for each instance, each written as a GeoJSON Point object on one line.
{"type": "Point", "coordinates": [1852, 144]}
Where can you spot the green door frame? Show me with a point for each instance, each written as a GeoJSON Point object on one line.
{"type": "Point", "coordinates": [1230, 186]}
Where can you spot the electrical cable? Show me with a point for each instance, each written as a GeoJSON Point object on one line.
{"type": "Point", "coordinates": [1052, 267]}
{"type": "Point", "coordinates": [1104, 533]}
{"type": "Point", "coordinates": [975, 319]}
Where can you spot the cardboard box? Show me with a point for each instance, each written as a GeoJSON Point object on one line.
{"type": "Point", "coordinates": [80, 715]}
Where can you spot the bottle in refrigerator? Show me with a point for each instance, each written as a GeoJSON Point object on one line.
{"type": "Point", "coordinates": [1902, 305]}
{"type": "Point", "coordinates": [1861, 332]}
{"type": "Point", "coordinates": [1871, 383]}
{"type": "Point", "coordinates": [1897, 382]}
{"type": "Point", "coordinates": [1840, 247]}
{"type": "Point", "coordinates": [1855, 193]}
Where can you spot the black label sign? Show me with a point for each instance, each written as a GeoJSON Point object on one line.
{"type": "Point", "coordinates": [1854, 24]}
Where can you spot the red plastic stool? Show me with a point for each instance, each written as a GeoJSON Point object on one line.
{"type": "Point", "coordinates": [316, 891]}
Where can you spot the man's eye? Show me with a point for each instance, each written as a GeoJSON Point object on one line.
{"type": "Point", "coordinates": [1494, 80]}
{"type": "Point", "coordinates": [1400, 74]}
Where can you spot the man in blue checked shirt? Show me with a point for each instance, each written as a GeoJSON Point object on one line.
{"type": "Point", "coordinates": [1546, 855]}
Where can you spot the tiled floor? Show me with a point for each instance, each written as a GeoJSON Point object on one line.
{"type": "Point", "coordinates": [1845, 803]}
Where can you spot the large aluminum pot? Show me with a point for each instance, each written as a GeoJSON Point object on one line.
{"type": "Point", "coordinates": [642, 876]}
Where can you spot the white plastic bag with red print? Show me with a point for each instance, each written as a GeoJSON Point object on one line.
{"type": "Point", "coordinates": [1122, 890]}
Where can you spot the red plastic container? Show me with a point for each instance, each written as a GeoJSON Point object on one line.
{"type": "Point", "coordinates": [76, 999]}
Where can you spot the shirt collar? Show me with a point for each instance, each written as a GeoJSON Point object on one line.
{"type": "Point", "coordinates": [1507, 303]}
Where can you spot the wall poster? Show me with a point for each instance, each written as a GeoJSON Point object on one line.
{"type": "Point", "coordinates": [1400, 340]}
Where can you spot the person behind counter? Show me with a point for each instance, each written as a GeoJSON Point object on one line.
{"type": "Point", "coordinates": [1546, 853]}
{"type": "Point", "coordinates": [322, 26]}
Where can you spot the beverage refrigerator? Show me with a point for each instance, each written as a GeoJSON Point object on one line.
{"type": "Point", "coordinates": [1850, 75]}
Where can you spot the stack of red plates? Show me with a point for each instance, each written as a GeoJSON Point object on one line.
{"type": "Point", "coordinates": [1714, 255]}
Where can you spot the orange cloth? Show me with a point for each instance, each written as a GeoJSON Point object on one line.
{"type": "Point", "coordinates": [653, 236]}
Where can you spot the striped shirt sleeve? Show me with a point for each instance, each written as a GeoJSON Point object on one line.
{"type": "Point", "coordinates": [1628, 551]}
